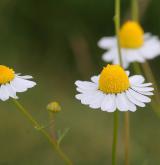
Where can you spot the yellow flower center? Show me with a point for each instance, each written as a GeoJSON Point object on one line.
{"type": "Point", "coordinates": [6, 74]}
{"type": "Point", "coordinates": [113, 79]}
{"type": "Point", "coordinates": [131, 35]}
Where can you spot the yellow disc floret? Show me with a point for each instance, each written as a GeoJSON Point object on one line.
{"type": "Point", "coordinates": [6, 74]}
{"type": "Point", "coordinates": [131, 35]}
{"type": "Point", "coordinates": [113, 79]}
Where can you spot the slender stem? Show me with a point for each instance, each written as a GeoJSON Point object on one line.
{"type": "Point", "coordinates": [127, 138]}
{"type": "Point", "coordinates": [117, 28]}
{"type": "Point", "coordinates": [46, 135]}
{"type": "Point", "coordinates": [115, 124]}
{"type": "Point", "coordinates": [115, 133]}
{"type": "Point", "coordinates": [134, 7]}
{"type": "Point", "coordinates": [52, 127]}
{"type": "Point", "coordinates": [137, 68]}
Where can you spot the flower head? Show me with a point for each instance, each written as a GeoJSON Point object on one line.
{"type": "Point", "coordinates": [131, 35]}
{"type": "Point", "coordinates": [54, 107]}
{"type": "Point", "coordinates": [11, 83]}
{"type": "Point", "coordinates": [114, 89]}
{"type": "Point", "coordinates": [135, 45]}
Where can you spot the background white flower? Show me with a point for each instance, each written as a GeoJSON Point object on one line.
{"type": "Point", "coordinates": [113, 89]}
{"type": "Point", "coordinates": [11, 83]}
{"type": "Point", "coordinates": [135, 45]}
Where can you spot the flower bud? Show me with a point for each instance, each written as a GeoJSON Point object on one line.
{"type": "Point", "coordinates": [54, 107]}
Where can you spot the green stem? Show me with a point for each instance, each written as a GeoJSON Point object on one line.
{"type": "Point", "coordinates": [52, 127]}
{"type": "Point", "coordinates": [115, 133]}
{"type": "Point", "coordinates": [126, 138]}
{"type": "Point", "coordinates": [137, 68]}
{"type": "Point", "coordinates": [46, 135]}
{"type": "Point", "coordinates": [115, 124]}
{"type": "Point", "coordinates": [117, 28]}
{"type": "Point", "coordinates": [134, 7]}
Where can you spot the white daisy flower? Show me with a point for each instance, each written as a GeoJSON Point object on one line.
{"type": "Point", "coordinates": [135, 45]}
{"type": "Point", "coordinates": [11, 83]}
{"type": "Point", "coordinates": [113, 89]}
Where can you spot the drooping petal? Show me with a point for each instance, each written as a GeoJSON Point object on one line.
{"type": "Point", "coordinates": [11, 91]}
{"type": "Point", "coordinates": [146, 93]}
{"type": "Point", "coordinates": [134, 100]}
{"type": "Point", "coordinates": [123, 103]}
{"type": "Point", "coordinates": [97, 100]}
{"type": "Point", "coordinates": [109, 103]}
{"type": "Point", "coordinates": [4, 95]}
{"type": "Point", "coordinates": [139, 96]}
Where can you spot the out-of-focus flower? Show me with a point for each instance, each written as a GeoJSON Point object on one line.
{"type": "Point", "coordinates": [136, 46]}
{"type": "Point", "coordinates": [54, 107]}
{"type": "Point", "coordinates": [114, 89]}
{"type": "Point", "coordinates": [11, 83]}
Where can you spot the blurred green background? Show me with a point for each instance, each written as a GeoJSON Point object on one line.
{"type": "Point", "coordinates": [56, 42]}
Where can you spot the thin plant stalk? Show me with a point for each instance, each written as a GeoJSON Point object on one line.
{"type": "Point", "coordinates": [137, 68]}
{"type": "Point", "coordinates": [115, 134]}
{"type": "Point", "coordinates": [127, 138]}
{"type": "Point", "coordinates": [115, 120]}
{"type": "Point", "coordinates": [117, 28]}
{"type": "Point", "coordinates": [35, 123]}
{"type": "Point", "coordinates": [134, 7]}
{"type": "Point", "coordinates": [52, 127]}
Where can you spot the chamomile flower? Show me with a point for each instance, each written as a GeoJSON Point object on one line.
{"type": "Point", "coordinates": [114, 89]}
{"type": "Point", "coordinates": [135, 45]}
{"type": "Point", "coordinates": [11, 83]}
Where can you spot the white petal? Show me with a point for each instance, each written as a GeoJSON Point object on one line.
{"type": "Point", "coordinates": [93, 99]}
{"type": "Point", "coordinates": [143, 85]}
{"type": "Point", "coordinates": [11, 91]}
{"type": "Point", "coordinates": [107, 42]}
{"type": "Point", "coordinates": [109, 103]}
{"type": "Point", "coordinates": [131, 105]}
{"type": "Point", "coordinates": [25, 77]}
{"type": "Point", "coordinates": [97, 100]}
{"type": "Point", "coordinates": [139, 96]}
{"type": "Point", "coordinates": [147, 36]}
{"type": "Point", "coordinates": [123, 103]}
{"type": "Point", "coordinates": [151, 48]}
{"type": "Point", "coordinates": [142, 89]}
{"type": "Point", "coordinates": [109, 55]}
{"type": "Point", "coordinates": [21, 85]}
{"type": "Point", "coordinates": [86, 85]}
{"type": "Point", "coordinates": [134, 100]}
{"type": "Point", "coordinates": [146, 93]}
{"type": "Point", "coordinates": [127, 72]}
{"type": "Point", "coordinates": [95, 79]}
{"type": "Point", "coordinates": [81, 90]}
{"type": "Point", "coordinates": [136, 80]}
{"type": "Point", "coordinates": [3, 93]}
{"type": "Point", "coordinates": [84, 98]}
{"type": "Point", "coordinates": [133, 55]}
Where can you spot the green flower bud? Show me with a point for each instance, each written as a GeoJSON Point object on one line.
{"type": "Point", "coordinates": [54, 107]}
